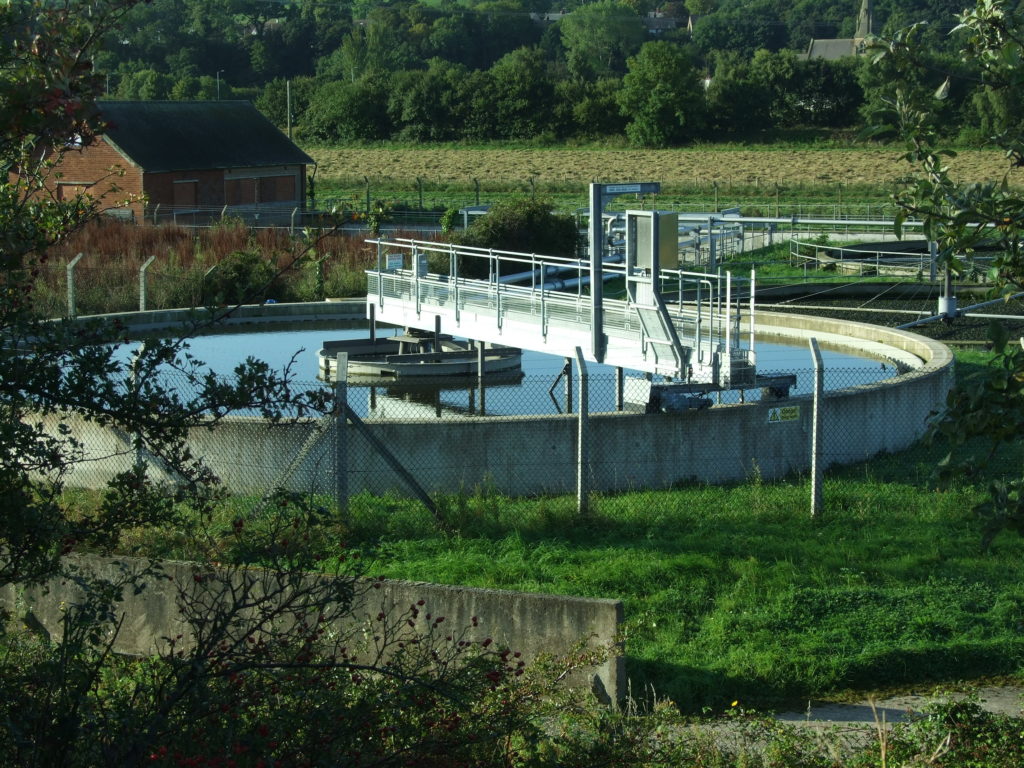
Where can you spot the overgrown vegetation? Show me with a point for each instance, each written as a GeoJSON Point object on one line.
{"type": "Point", "coordinates": [218, 266]}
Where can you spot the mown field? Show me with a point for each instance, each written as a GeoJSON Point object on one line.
{"type": "Point", "coordinates": [559, 167]}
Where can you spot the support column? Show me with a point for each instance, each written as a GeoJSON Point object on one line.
{"type": "Point", "coordinates": [596, 243]}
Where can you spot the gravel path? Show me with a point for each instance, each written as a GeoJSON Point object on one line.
{"type": "Point", "coordinates": [1004, 700]}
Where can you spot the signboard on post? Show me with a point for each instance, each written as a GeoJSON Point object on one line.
{"type": "Point", "coordinates": [785, 413]}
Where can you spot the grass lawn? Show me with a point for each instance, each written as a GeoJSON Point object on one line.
{"type": "Point", "coordinates": [735, 593]}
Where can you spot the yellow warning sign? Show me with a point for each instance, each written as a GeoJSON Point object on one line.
{"type": "Point", "coordinates": [786, 413]}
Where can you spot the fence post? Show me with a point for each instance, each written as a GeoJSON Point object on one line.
{"type": "Point", "coordinates": [72, 303]}
{"type": "Point", "coordinates": [341, 439]}
{"type": "Point", "coordinates": [583, 440]}
{"type": "Point", "coordinates": [567, 370]}
{"type": "Point", "coordinates": [204, 298]}
{"type": "Point", "coordinates": [480, 376]}
{"type": "Point", "coordinates": [142, 283]}
{"type": "Point", "coordinates": [817, 472]}
{"type": "Point", "coordinates": [137, 442]}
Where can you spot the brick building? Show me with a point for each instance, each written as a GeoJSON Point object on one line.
{"type": "Point", "coordinates": [190, 161]}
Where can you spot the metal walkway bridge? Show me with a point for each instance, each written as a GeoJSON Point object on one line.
{"type": "Point", "coordinates": [683, 325]}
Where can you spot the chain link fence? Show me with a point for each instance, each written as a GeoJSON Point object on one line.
{"type": "Point", "coordinates": [527, 436]}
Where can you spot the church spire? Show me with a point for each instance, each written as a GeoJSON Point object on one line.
{"type": "Point", "coordinates": [864, 20]}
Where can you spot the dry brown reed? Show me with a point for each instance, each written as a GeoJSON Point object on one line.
{"type": "Point", "coordinates": [107, 277]}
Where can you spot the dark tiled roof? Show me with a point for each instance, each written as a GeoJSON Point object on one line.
{"type": "Point", "coordinates": [831, 50]}
{"type": "Point", "coordinates": [197, 135]}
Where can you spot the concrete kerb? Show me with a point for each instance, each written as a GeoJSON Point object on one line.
{"type": "Point", "coordinates": [533, 624]}
{"type": "Point", "coordinates": [242, 318]}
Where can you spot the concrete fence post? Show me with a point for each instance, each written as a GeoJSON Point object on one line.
{"type": "Point", "coordinates": [142, 283]}
{"type": "Point", "coordinates": [341, 438]}
{"type": "Point", "coordinates": [583, 440]}
{"type": "Point", "coordinates": [72, 300]}
{"type": "Point", "coordinates": [817, 472]}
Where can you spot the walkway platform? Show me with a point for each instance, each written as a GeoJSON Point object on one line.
{"type": "Point", "coordinates": [693, 339]}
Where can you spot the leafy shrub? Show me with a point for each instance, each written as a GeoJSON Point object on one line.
{"type": "Point", "coordinates": [244, 277]}
{"type": "Point", "coordinates": [525, 225]}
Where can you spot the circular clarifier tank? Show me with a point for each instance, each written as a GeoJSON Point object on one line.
{"type": "Point", "coordinates": [881, 387]}
{"type": "Point", "coordinates": [540, 389]}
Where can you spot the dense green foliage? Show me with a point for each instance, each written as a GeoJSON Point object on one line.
{"type": "Point", "coordinates": [364, 71]}
{"type": "Point", "coordinates": [524, 225]}
{"type": "Point", "coordinates": [962, 216]}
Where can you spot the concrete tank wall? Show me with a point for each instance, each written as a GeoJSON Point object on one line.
{"type": "Point", "coordinates": [536, 455]}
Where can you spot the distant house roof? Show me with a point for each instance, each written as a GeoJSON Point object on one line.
{"type": "Point", "coordinates": [838, 48]}
{"type": "Point", "coordinates": [660, 23]}
{"type": "Point", "coordinates": [833, 49]}
{"type": "Point", "coordinates": [197, 135]}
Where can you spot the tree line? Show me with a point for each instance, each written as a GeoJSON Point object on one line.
{"type": "Point", "coordinates": [523, 70]}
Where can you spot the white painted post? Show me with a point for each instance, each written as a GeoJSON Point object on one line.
{"type": "Point", "coordinates": [582, 441]}
{"type": "Point", "coordinates": [341, 438]}
{"type": "Point", "coordinates": [817, 472]}
{"type": "Point", "coordinates": [72, 304]}
{"type": "Point", "coordinates": [142, 283]}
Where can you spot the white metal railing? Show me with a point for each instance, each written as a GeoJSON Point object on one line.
{"type": "Point", "coordinates": [702, 315]}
